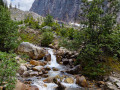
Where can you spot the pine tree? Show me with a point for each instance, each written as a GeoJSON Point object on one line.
{"type": "Point", "coordinates": [8, 30]}
{"type": "Point", "coordinates": [100, 22]}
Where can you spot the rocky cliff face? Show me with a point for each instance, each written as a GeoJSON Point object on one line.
{"type": "Point", "coordinates": [65, 10]}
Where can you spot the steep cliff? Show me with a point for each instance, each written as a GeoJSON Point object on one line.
{"type": "Point", "coordinates": [66, 10]}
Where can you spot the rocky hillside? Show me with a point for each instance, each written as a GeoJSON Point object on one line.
{"type": "Point", "coordinates": [18, 15]}
{"type": "Point", "coordinates": [65, 10]}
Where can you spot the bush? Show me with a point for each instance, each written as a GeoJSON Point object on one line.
{"type": "Point", "coordinates": [31, 22]}
{"type": "Point", "coordinates": [8, 68]}
{"type": "Point", "coordinates": [48, 21]}
{"type": "Point", "coordinates": [47, 38]}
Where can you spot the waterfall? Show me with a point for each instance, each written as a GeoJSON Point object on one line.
{"type": "Point", "coordinates": [53, 59]}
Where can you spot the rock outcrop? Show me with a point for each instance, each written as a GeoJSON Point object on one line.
{"type": "Point", "coordinates": [31, 50]}
{"type": "Point", "coordinates": [65, 10]}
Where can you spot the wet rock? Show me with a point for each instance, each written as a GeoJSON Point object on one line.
{"type": "Point", "coordinates": [75, 70]}
{"type": "Point", "coordinates": [33, 62]}
{"type": "Point", "coordinates": [74, 89]}
{"type": "Point", "coordinates": [44, 71]}
{"type": "Point", "coordinates": [27, 82]}
{"type": "Point", "coordinates": [59, 77]}
{"type": "Point", "coordinates": [113, 79]}
{"type": "Point", "coordinates": [69, 80]}
{"type": "Point", "coordinates": [81, 81]}
{"type": "Point", "coordinates": [118, 85]}
{"type": "Point", "coordinates": [22, 69]}
{"type": "Point", "coordinates": [55, 69]}
{"type": "Point", "coordinates": [45, 76]}
{"type": "Point", "coordinates": [37, 68]}
{"type": "Point", "coordinates": [65, 61]}
{"type": "Point", "coordinates": [110, 86]}
{"type": "Point", "coordinates": [22, 86]}
{"type": "Point", "coordinates": [48, 57]}
{"type": "Point", "coordinates": [31, 50]}
{"type": "Point", "coordinates": [48, 80]}
{"type": "Point", "coordinates": [27, 73]}
{"type": "Point", "coordinates": [100, 84]}
{"type": "Point", "coordinates": [47, 68]}
{"type": "Point", "coordinates": [37, 63]}
{"type": "Point", "coordinates": [60, 86]}
{"type": "Point", "coordinates": [34, 73]}
{"type": "Point", "coordinates": [28, 65]}
{"type": "Point", "coordinates": [45, 85]}
{"type": "Point", "coordinates": [40, 73]}
{"type": "Point", "coordinates": [58, 58]}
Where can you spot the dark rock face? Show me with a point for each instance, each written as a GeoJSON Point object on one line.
{"type": "Point", "coordinates": [65, 10]}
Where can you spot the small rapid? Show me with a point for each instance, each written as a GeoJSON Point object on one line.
{"type": "Point", "coordinates": [52, 86]}
{"type": "Point", "coordinates": [53, 62]}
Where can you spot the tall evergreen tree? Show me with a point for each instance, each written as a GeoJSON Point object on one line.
{"type": "Point", "coordinates": [99, 40]}
{"type": "Point", "coordinates": [8, 29]}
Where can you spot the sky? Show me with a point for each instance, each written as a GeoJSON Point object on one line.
{"type": "Point", "coordinates": [25, 5]}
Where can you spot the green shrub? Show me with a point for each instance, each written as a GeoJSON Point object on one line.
{"type": "Point", "coordinates": [48, 21]}
{"type": "Point", "coordinates": [31, 22]}
{"type": "Point", "coordinates": [47, 38]}
{"type": "Point", "coordinates": [8, 68]}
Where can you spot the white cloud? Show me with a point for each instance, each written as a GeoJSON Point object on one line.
{"type": "Point", "coordinates": [24, 4]}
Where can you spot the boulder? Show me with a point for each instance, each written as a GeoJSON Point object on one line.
{"type": "Point", "coordinates": [38, 63]}
{"type": "Point", "coordinates": [37, 68]}
{"type": "Point", "coordinates": [47, 68]}
{"type": "Point", "coordinates": [100, 83]}
{"type": "Point", "coordinates": [34, 73]}
{"type": "Point", "coordinates": [65, 61]}
{"type": "Point", "coordinates": [31, 50]}
{"type": "Point", "coordinates": [40, 73]}
{"type": "Point", "coordinates": [22, 86]}
{"type": "Point", "coordinates": [69, 80]}
{"type": "Point", "coordinates": [48, 80]}
{"type": "Point", "coordinates": [44, 75]}
{"type": "Point", "coordinates": [48, 57]}
{"type": "Point", "coordinates": [110, 86]}
{"type": "Point", "coordinates": [27, 73]}
{"type": "Point", "coordinates": [22, 69]}
{"type": "Point", "coordinates": [55, 69]}
{"type": "Point", "coordinates": [75, 70]}
{"type": "Point", "coordinates": [58, 58]}
{"type": "Point", "coordinates": [81, 81]}
{"type": "Point", "coordinates": [46, 28]}
{"type": "Point", "coordinates": [60, 86]}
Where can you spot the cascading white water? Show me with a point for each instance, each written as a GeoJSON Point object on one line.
{"type": "Point", "coordinates": [51, 86]}
{"type": "Point", "coordinates": [53, 59]}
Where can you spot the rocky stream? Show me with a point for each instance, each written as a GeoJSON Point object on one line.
{"type": "Point", "coordinates": [50, 69]}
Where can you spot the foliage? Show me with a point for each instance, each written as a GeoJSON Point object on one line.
{"type": "Point", "coordinates": [98, 38]}
{"type": "Point", "coordinates": [27, 36]}
{"type": "Point", "coordinates": [8, 68]}
{"type": "Point", "coordinates": [47, 38]}
{"type": "Point", "coordinates": [48, 21]}
{"type": "Point", "coordinates": [31, 22]}
{"type": "Point", "coordinates": [8, 31]}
